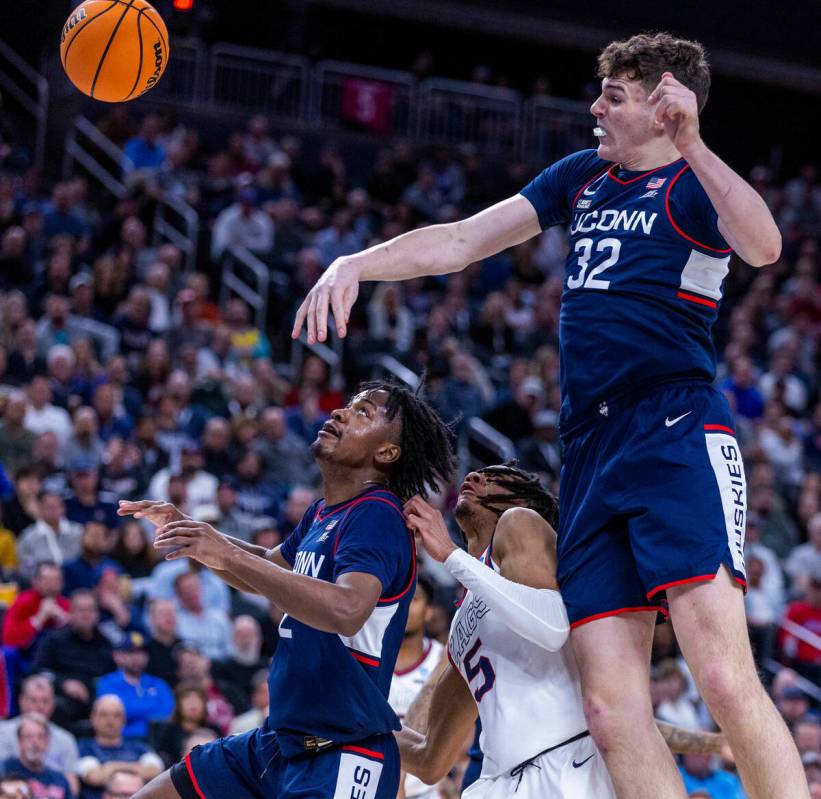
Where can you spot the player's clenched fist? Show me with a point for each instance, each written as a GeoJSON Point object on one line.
{"type": "Point", "coordinates": [676, 109]}
{"type": "Point", "coordinates": [427, 522]}
{"type": "Point", "coordinates": [337, 289]}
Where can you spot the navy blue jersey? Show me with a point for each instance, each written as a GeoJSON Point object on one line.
{"type": "Point", "coordinates": [325, 684]}
{"type": "Point", "coordinates": [642, 280]}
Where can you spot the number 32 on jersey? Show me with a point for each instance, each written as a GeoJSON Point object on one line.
{"type": "Point", "coordinates": [584, 249]}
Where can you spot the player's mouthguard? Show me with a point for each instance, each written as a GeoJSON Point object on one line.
{"type": "Point", "coordinates": [599, 132]}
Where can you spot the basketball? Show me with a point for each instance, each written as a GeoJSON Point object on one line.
{"type": "Point", "coordinates": [114, 50]}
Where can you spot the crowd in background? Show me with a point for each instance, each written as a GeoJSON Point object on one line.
{"type": "Point", "coordinates": [123, 376]}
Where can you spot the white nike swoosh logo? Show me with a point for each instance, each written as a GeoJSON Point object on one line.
{"type": "Point", "coordinates": [591, 189]}
{"type": "Point", "coordinates": [668, 422]}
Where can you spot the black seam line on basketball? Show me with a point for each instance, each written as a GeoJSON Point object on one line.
{"type": "Point", "coordinates": [140, 67]}
{"type": "Point", "coordinates": [88, 22]}
{"type": "Point", "coordinates": [108, 46]}
{"type": "Point", "coordinates": [162, 38]}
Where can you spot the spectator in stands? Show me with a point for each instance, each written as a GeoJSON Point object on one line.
{"type": "Point", "coordinates": [792, 702]}
{"type": "Point", "coordinates": [200, 486]}
{"type": "Point", "coordinates": [247, 340]}
{"type": "Point", "coordinates": [209, 629]}
{"type": "Point", "coordinates": [741, 386]}
{"type": "Point", "coordinates": [218, 454]}
{"type": "Point", "coordinates": [42, 416]}
{"type": "Point", "coordinates": [122, 785]}
{"type": "Point", "coordinates": [190, 714]}
{"type": "Point", "coordinates": [84, 443]}
{"type": "Point", "coordinates": [778, 531]}
{"type": "Point", "coordinates": [700, 773]}
{"type": "Point", "coordinates": [299, 500]}
{"type": "Point", "coordinates": [146, 698]}
{"type": "Point", "coordinates": [133, 324]}
{"type": "Point", "coordinates": [86, 570]}
{"type": "Point", "coordinates": [227, 517]}
{"type": "Point", "coordinates": [108, 752]}
{"type": "Point", "coordinates": [255, 496]}
{"type": "Point", "coordinates": [805, 560]}
{"type": "Point", "coordinates": [112, 418]}
{"type": "Point", "coordinates": [144, 151]}
{"type": "Point", "coordinates": [244, 226]}
{"type": "Point", "coordinates": [807, 734]}
{"type": "Point", "coordinates": [136, 556]}
{"type": "Point", "coordinates": [162, 626]}
{"type": "Point", "coordinates": [16, 441]}
{"type": "Point", "coordinates": [51, 538]}
{"type": "Point", "coordinates": [804, 656]}
{"type": "Point", "coordinates": [24, 359]}
{"type": "Point", "coordinates": [37, 696]}
{"type": "Point", "coordinates": [466, 392]}
{"type": "Point", "coordinates": [762, 614]}
{"type": "Point", "coordinates": [45, 783]}
{"type": "Point", "coordinates": [22, 509]}
{"type": "Point", "coordinates": [215, 593]}
{"type": "Point", "coordinates": [84, 503]}
{"type": "Point", "coordinates": [76, 656]}
{"type": "Point", "coordinates": [674, 706]}
{"type": "Point", "coordinates": [255, 717]}
{"type": "Point", "coordinates": [187, 324]}
{"type": "Point", "coordinates": [201, 736]}
{"type": "Point", "coordinates": [514, 418]}
{"type": "Point", "coordinates": [61, 218]}
{"type": "Point", "coordinates": [193, 667]}
{"type": "Point", "coordinates": [287, 460]}
{"type": "Point", "coordinates": [37, 610]}
{"type": "Point", "coordinates": [245, 658]}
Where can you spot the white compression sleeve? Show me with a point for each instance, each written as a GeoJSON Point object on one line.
{"type": "Point", "coordinates": [537, 614]}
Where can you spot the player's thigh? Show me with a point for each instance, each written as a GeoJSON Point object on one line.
{"type": "Point", "coordinates": [711, 627]}
{"type": "Point", "coordinates": [613, 657]}
{"type": "Point", "coordinates": [161, 787]}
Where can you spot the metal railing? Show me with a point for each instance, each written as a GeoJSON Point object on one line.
{"type": "Point", "coordinates": [260, 81]}
{"type": "Point", "coordinates": [29, 89]}
{"type": "Point", "coordinates": [807, 686]}
{"type": "Point", "coordinates": [801, 633]}
{"type": "Point", "coordinates": [553, 125]}
{"type": "Point", "coordinates": [483, 445]}
{"type": "Point", "coordinates": [388, 365]}
{"type": "Point", "coordinates": [183, 82]}
{"type": "Point", "coordinates": [457, 112]}
{"type": "Point", "coordinates": [247, 277]}
{"type": "Point", "coordinates": [331, 353]}
{"type": "Point", "coordinates": [381, 101]}
{"type": "Point", "coordinates": [174, 220]}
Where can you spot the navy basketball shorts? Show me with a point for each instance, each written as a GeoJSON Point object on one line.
{"type": "Point", "coordinates": [251, 766]}
{"type": "Point", "coordinates": [652, 495]}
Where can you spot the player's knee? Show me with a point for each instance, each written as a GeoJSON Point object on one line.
{"type": "Point", "coordinates": [727, 690]}
{"type": "Point", "coordinates": [612, 719]}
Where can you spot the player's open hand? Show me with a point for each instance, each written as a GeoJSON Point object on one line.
{"type": "Point", "coordinates": [192, 539]}
{"type": "Point", "coordinates": [676, 108]}
{"type": "Point", "coordinates": [155, 511]}
{"type": "Point", "coordinates": [428, 523]}
{"type": "Point", "coordinates": [336, 290]}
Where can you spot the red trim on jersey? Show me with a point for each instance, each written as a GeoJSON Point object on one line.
{"type": "Point", "coordinates": [355, 501]}
{"type": "Point", "coordinates": [588, 619]}
{"type": "Point", "coordinates": [683, 295]}
{"type": "Point", "coordinates": [389, 599]}
{"type": "Point", "coordinates": [194, 782]}
{"type": "Point", "coordinates": [578, 194]}
{"type": "Point", "coordinates": [720, 427]}
{"type": "Point", "coordinates": [640, 177]}
{"type": "Point", "coordinates": [403, 672]}
{"type": "Point", "coordinates": [368, 661]}
{"type": "Point", "coordinates": [360, 750]}
{"type": "Point", "coordinates": [673, 221]}
{"type": "Point", "coordinates": [703, 578]}
{"type": "Point", "coordinates": [452, 661]}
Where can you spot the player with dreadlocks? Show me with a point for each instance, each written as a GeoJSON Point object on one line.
{"type": "Point", "coordinates": [508, 660]}
{"type": "Point", "coordinates": [344, 579]}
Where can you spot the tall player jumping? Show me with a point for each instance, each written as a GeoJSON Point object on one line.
{"type": "Point", "coordinates": [344, 578]}
{"type": "Point", "coordinates": [653, 489]}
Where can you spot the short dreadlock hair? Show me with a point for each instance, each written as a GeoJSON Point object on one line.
{"type": "Point", "coordinates": [427, 460]}
{"type": "Point", "coordinates": [524, 487]}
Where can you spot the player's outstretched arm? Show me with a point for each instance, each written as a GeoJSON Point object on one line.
{"type": "Point", "coordinates": [419, 711]}
{"type": "Point", "coordinates": [452, 715]}
{"type": "Point", "coordinates": [341, 607]}
{"type": "Point", "coordinates": [433, 250]}
{"type": "Point", "coordinates": [692, 742]}
{"type": "Point", "coordinates": [524, 596]}
{"type": "Point", "coordinates": [743, 217]}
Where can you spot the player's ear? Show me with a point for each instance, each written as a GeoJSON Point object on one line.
{"type": "Point", "coordinates": [387, 454]}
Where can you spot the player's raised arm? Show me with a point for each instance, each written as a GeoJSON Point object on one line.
{"type": "Point", "coordinates": [433, 250]}
{"type": "Point", "coordinates": [743, 217]}
{"type": "Point", "coordinates": [451, 718]}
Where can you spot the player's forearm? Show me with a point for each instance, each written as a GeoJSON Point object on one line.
{"type": "Point", "coordinates": [432, 250]}
{"type": "Point", "coordinates": [417, 756]}
{"type": "Point", "coordinates": [744, 217]}
{"type": "Point", "coordinates": [417, 716]}
{"type": "Point", "coordinates": [690, 742]}
{"type": "Point", "coordinates": [317, 603]}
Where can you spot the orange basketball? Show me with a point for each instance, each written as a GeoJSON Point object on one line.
{"type": "Point", "coordinates": [114, 50]}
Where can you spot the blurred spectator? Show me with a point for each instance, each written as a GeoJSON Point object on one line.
{"type": "Point", "coordinates": [670, 688]}
{"type": "Point", "coordinates": [23, 508]}
{"type": "Point", "coordinates": [45, 783]}
{"type": "Point", "coordinates": [133, 552]}
{"type": "Point", "coordinates": [741, 386]}
{"type": "Point", "coordinates": [62, 218]}
{"type": "Point", "coordinates": [255, 717]}
{"type": "Point", "coordinates": [805, 657]}
{"type": "Point", "coordinates": [390, 321]}
{"type": "Point", "coordinates": [162, 626]}
{"type": "Point", "coordinates": [86, 570]}
{"type": "Point", "coordinates": [218, 457]}
{"type": "Point", "coordinates": [84, 503]}
{"type": "Point", "coordinates": [201, 736]}
{"type": "Point", "coordinates": [243, 226]}
{"type": "Point", "coordinates": [207, 628]}
{"type": "Point", "coordinates": [84, 444]}
{"type": "Point", "coordinates": [122, 785]}
{"type": "Point", "coordinates": [805, 560]}
{"type": "Point", "coordinates": [287, 459]}
{"type": "Point", "coordinates": [144, 151]}
{"type": "Point", "coordinates": [245, 658]}
{"type": "Point", "coordinates": [37, 610]}
{"type": "Point", "coordinates": [133, 324]}
{"type": "Point", "coordinates": [215, 593]}
{"type": "Point", "coordinates": [194, 667]}
{"type": "Point", "coordinates": [108, 752]}
{"type": "Point", "coordinates": [300, 498]}
{"type": "Point", "coordinates": [514, 418]}
{"type": "Point", "coordinates": [255, 495]}
{"type": "Point", "coordinates": [338, 239]}
{"type": "Point", "coordinates": [42, 416]}
{"type": "Point", "coordinates": [762, 614]}
{"type": "Point", "coordinates": [16, 440]}
{"type": "Point", "coordinates": [145, 697]}
{"type": "Point", "coordinates": [540, 452]}
{"type": "Point", "coordinates": [225, 515]}
{"type": "Point", "coordinates": [247, 340]}
{"type": "Point", "coordinates": [51, 538]}
{"type": "Point", "coordinates": [200, 486]}
{"type": "Point", "coordinates": [466, 392]}
{"type": "Point", "coordinates": [76, 656]}
{"type": "Point", "coordinates": [190, 714]}
{"type": "Point", "coordinates": [700, 773]}
{"type": "Point", "coordinates": [37, 696]}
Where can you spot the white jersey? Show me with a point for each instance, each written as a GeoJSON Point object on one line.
{"type": "Point", "coordinates": [405, 687]}
{"type": "Point", "coordinates": [529, 699]}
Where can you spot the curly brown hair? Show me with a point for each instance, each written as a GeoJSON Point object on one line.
{"type": "Point", "coordinates": [647, 56]}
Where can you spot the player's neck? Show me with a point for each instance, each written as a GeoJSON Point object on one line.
{"type": "Point", "coordinates": [479, 537]}
{"type": "Point", "coordinates": [411, 651]}
{"type": "Point", "coordinates": [651, 157]}
{"type": "Point", "coordinates": [340, 486]}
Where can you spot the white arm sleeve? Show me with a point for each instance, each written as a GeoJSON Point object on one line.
{"type": "Point", "coordinates": [537, 614]}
